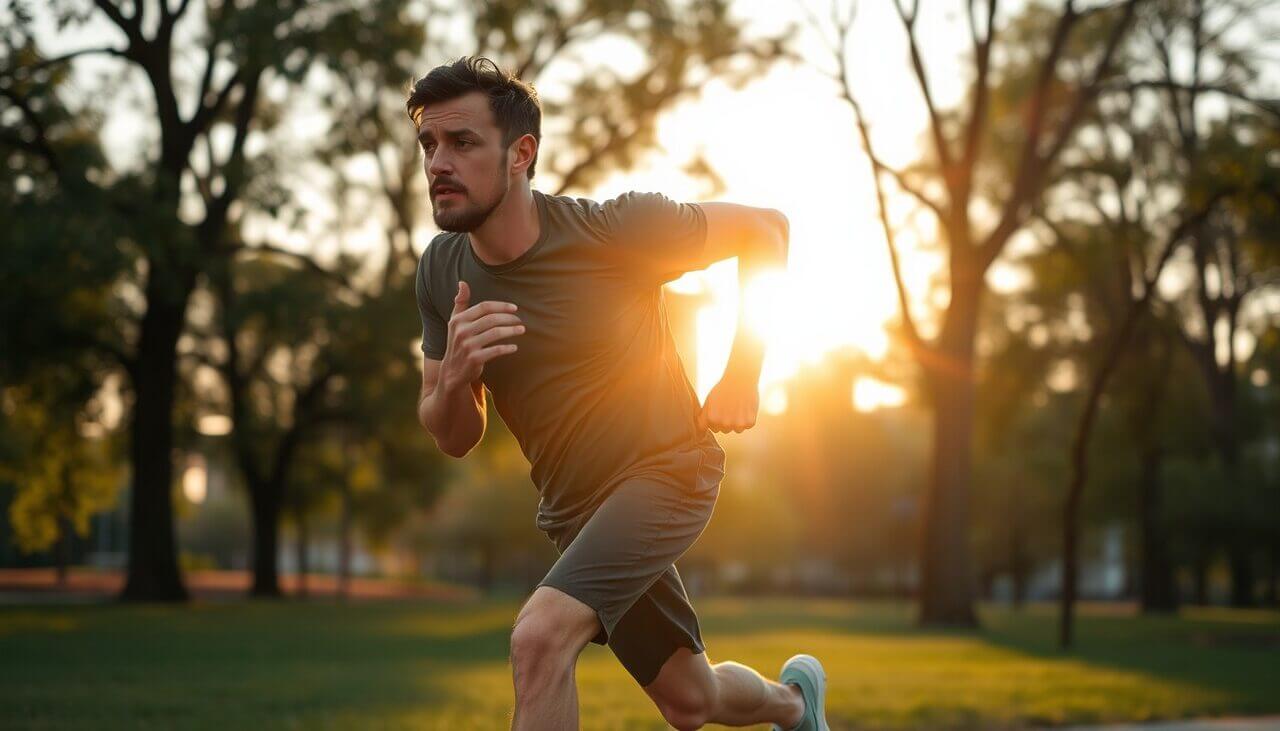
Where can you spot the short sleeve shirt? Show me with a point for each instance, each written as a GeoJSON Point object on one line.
{"type": "Point", "coordinates": [596, 391]}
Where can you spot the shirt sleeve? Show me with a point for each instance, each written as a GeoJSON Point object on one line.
{"type": "Point", "coordinates": [434, 327]}
{"type": "Point", "coordinates": [657, 238]}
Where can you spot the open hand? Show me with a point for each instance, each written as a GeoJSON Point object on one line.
{"type": "Point", "coordinates": [474, 332]}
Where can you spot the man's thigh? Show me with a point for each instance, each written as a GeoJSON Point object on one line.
{"type": "Point", "coordinates": [627, 545]}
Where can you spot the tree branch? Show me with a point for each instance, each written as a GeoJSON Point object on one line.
{"type": "Point", "coordinates": [132, 26]}
{"type": "Point", "coordinates": [1270, 106]}
{"type": "Point", "coordinates": [981, 96]}
{"type": "Point", "coordinates": [25, 71]}
{"type": "Point", "coordinates": [205, 113]}
{"type": "Point", "coordinates": [1032, 169]}
{"type": "Point", "coordinates": [922, 78]}
{"type": "Point", "coordinates": [913, 333]}
{"type": "Point", "coordinates": [41, 144]}
{"type": "Point", "coordinates": [306, 261]}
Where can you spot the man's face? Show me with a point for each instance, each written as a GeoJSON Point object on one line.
{"type": "Point", "coordinates": [465, 161]}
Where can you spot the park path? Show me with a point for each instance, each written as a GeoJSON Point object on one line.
{"type": "Point", "coordinates": [1268, 723]}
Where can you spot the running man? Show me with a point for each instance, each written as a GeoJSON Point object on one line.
{"type": "Point", "coordinates": [555, 305]}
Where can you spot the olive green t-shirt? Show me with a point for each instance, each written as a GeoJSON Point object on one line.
{"type": "Point", "coordinates": [596, 391]}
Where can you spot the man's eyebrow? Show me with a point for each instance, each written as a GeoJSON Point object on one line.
{"type": "Point", "coordinates": [454, 133]}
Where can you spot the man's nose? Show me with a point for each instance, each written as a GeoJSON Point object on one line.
{"type": "Point", "coordinates": [440, 164]}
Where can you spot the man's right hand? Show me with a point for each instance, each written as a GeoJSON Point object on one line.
{"type": "Point", "coordinates": [472, 335]}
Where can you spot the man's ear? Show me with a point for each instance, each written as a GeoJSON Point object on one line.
{"type": "Point", "coordinates": [523, 150]}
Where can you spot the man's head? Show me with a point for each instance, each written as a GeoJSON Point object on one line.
{"type": "Point", "coordinates": [479, 129]}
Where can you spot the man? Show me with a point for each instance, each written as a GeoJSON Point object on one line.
{"type": "Point", "coordinates": [555, 304]}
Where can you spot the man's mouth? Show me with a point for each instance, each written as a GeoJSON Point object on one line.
{"type": "Point", "coordinates": [445, 190]}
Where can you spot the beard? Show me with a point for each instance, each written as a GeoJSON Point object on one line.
{"type": "Point", "coordinates": [464, 215]}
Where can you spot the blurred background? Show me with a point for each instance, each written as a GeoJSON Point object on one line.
{"type": "Point", "coordinates": [1024, 354]}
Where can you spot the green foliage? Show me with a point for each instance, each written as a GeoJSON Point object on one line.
{"type": "Point", "coordinates": [62, 478]}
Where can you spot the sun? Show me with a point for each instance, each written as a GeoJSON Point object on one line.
{"type": "Point", "coordinates": [782, 307]}
{"type": "Point", "coordinates": [837, 290]}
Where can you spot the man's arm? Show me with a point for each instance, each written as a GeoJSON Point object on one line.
{"type": "Point", "coordinates": [456, 421]}
{"type": "Point", "coordinates": [759, 237]}
{"type": "Point", "coordinates": [451, 402]}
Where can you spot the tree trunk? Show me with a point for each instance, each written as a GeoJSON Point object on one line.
{"type": "Point", "coordinates": [153, 573]}
{"type": "Point", "coordinates": [1079, 475]}
{"type": "Point", "coordinates": [1240, 560]}
{"type": "Point", "coordinates": [946, 590]}
{"type": "Point", "coordinates": [300, 517]}
{"type": "Point", "coordinates": [63, 555]}
{"type": "Point", "coordinates": [1221, 382]}
{"type": "Point", "coordinates": [1018, 562]}
{"type": "Point", "coordinates": [1200, 582]}
{"type": "Point", "coordinates": [1156, 590]}
{"type": "Point", "coordinates": [344, 543]}
{"type": "Point", "coordinates": [1272, 596]}
{"type": "Point", "coordinates": [266, 540]}
{"type": "Point", "coordinates": [1019, 567]}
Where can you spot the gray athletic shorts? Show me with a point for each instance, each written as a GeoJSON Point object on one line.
{"type": "Point", "coordinates": [620, 561]}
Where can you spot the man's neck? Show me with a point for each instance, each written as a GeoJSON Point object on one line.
{"type": "Point", "coordinates": [510, 230]}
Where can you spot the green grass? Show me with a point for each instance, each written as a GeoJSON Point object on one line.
{"type": "Point", "coordinates": [253, 665]}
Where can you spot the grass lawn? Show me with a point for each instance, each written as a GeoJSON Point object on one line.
{"type": "Point", "coordinates": [416, 665]}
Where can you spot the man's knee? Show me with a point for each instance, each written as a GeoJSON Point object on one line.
{"type": "Point", "coordinates": [690, 707]}
{"type": "Point", "coordinates": [534, 647]}
{"type": "Point", "coordinates": [550, 630]}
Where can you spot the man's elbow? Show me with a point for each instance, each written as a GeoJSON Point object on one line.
{"type": "Point", "coordinates": [457, 448]}
{"type": "Point", "coordinates": [457, 451]}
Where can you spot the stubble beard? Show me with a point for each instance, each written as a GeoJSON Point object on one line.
{"type": "Point", "coordinates": [463, 218]}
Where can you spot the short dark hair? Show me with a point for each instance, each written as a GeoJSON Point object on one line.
{"type": "Point", "coordinates": [514, 103]}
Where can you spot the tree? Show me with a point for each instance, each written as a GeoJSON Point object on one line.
{"type": "Point", "coordinates": [187, 187]}
{"type": "Point", "coordinates": [1118, 259]}
{"type": "Point", "coordinates": [1233, 255]}
{"type": "Point", "coordinates": [55, 328]}
{"type": "Point", "coordinates": [279, 385]}
{"type": "Point", "coordinates": [63, 478]}
{"type": "Point", "coordinates": [1063, 72]}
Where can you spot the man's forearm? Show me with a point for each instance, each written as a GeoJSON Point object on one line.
{"type": "Point", "coordinates": [747, 354]}
{"type": "Point", "coordinates": [454, 418]}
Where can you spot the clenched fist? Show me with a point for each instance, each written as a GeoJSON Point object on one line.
{"type": "Point", "coordinates": [732, 405]}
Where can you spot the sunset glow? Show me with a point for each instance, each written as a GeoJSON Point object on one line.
{"type": "Point", "coordinates": [837, 290]}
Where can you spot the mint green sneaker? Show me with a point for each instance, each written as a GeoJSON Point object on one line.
{"type": "Point", "coordinates": [806, 672]}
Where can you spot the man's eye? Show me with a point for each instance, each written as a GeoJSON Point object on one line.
{"type": "Point", "coordinates": [428, 146]}
{"type": "Point", "coordinates": [462, 143]}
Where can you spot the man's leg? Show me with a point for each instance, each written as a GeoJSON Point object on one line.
{"type": "Point", "coordinates": [691, 692]}
{"type": "Point", "coordinates": [550, 632]}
